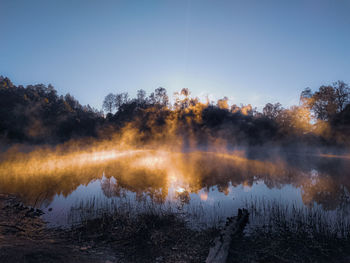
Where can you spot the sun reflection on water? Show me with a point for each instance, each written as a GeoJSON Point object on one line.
{"type": "Point", "coordinates": [162, 174]}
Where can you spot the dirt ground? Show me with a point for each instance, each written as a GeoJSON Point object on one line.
{"type": "Point", "coordinates": [147, 238]}
{"type": "Point", "coordinates": [24, 238]}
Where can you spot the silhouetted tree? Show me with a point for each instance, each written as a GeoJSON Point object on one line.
{"type": "Point", "coordinates": [141, 96]}
{"type": "Point", "coordinates": [36, 114]}
{"type": "Point", "coordinates": [272, 111]}
{"type": "Point", "coordinates": [159, 97]}
{"type": "Point", "coordinates": [327, 101]}
{"type": "Point", "coordinates": [120, 99]}
{"type": "Point", "coordinates": [342, 93]}
{"type": "Point", "coordinates": [109, 103]}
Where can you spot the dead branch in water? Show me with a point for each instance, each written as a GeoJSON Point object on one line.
{"type": "Point", "coordinates": [234, 226]}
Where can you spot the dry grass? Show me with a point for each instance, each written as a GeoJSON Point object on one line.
{"type": "Point", "coordinates": [290, 233]}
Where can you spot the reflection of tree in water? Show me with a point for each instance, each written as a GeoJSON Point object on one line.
{"type": "Point", "coordinates": [322, 190]}
{"type": "Point", "coordinates": [41, 189]}
{"type": "Point", "coordinates": [322, 180]}
{"type": "Point", "coordinates": [183, 197]}
{"type": "Point", "coordinates": [110, 188]}
{"type": "Point", "coordinates": [328, 188]}
{"type": "Point", "coordinates": [328, 191]}
{"type": "Point", "coordinates": [145, 184]}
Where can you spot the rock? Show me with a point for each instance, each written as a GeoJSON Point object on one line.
{"type": "Point", "coordinates": [33, 213]}
{"type": "Point", "coordinates": [39, 212]}
{"type": "Point", "coordinates": [22, 207]}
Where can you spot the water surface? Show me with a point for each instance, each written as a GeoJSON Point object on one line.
{"type": "Point", "coordinates": [210, 186]}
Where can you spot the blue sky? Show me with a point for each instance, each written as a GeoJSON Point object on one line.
{"type": "Point", "coordinates": [251, 51]}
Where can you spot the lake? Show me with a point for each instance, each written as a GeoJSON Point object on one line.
{"type": "Point", "coordinates": [205, 186]}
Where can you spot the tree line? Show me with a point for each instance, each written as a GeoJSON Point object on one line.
{"type": "Point", "coordinates": [36, 114]}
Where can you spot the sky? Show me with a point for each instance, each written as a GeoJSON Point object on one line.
{"type": "Point", "coordinates": [253, 52]}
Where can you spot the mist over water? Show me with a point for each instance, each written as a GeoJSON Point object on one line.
{"type": "Point", "coordinates": [208, 186]}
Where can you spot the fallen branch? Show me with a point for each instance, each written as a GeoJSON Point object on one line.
{"type": "Point", "coordinates": [234, 226]}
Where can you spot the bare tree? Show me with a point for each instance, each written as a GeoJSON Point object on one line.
{"type": "Point", "coordinates": [141, 96]}
{"type": "Point", "coordinates": [109, 103]}
{"type": "Point", "coordinates": [342, 94]}
{"type": "Point", "coordinates": [159, 97]}
{"type": "Point", "coordinates": [272, 111]}
{"type": "Point", "coordinates": [185, 92]}
{"type": "Point", "coordinates": [120, 99]}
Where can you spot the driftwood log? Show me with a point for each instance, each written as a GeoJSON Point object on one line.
{"type": "Point", "coordinates": [234, 227]}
